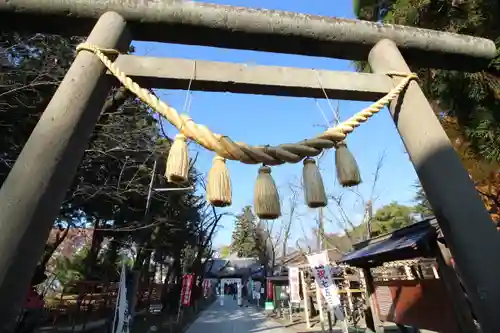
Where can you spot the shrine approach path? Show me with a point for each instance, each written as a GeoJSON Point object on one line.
{"type": "Point", "coordinates": [230, 318]}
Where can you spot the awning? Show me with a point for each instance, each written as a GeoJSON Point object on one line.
{"type": "Point", "coordinates": [405, 243]}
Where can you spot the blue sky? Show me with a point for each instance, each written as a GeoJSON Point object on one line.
{"type": "Point", "coordinates": [273, 120]}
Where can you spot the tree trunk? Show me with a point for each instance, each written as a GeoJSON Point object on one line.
{"type": "Point", "coordinates": [95, 247]}
{"type": "Point", "coordinates": [50, 248]}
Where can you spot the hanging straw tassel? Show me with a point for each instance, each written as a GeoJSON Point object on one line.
{"type": "Point", "coordinates": [347, 168]}
{"type": "Point", "coordinates": [219, 184]}
{"type": "Point", "coordinates": [177, 161]}
{"type": "Point", "coordinates": [314, 190]}
{"type": "Point", "coordinates": [265, 197]}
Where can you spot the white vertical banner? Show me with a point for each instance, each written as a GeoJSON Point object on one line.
{"type": "Point", "coordinates": [321, 269]}
{"type": "Point", "coordinates": [293, 280]}
{"type": "Point", "coordinates": [121, 313]}
{"type": "Point", "coordinates": [239, 286]}
{"type": "Point", "coordinates": [221, 293]}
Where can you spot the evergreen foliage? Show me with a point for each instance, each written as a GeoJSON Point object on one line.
{"type": "Point", "coordinates": [110, 190]}
{"type": "Point", "coordinates": [245, 234]}
{"type": "Point", "coordinates": [466, 104]}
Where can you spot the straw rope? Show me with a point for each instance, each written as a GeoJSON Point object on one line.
{"type": "Point", "coordinates": [240, 151]}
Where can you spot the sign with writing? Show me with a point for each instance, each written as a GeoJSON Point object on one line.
{"type": "Point", "coordinates": [293, 279]}
{"type": "Point", "coordinates": [321, 270]}
{"type": "Point", "coordinates": [187, 286]}
{"type": "Point", "coordinates": [207, 284]}
{"type": "Point", "coordinates": [122, 316]}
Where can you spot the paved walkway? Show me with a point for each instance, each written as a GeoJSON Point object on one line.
{"type": "Point", "coordinates": [230, 318]}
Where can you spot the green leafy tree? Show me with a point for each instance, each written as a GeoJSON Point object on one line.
{"type": "Point", "coordinates": [422, 206]}
{"type": "Point", "coordinates": [71, 269]}
{"type": "Point", "coordinates": [466, 104]}
{"type": "Point", "coordinates": [110, 189]}
{"type": "Point", "coordinates": [392, 217]}
{"type": "Point", "coordinates": [472, 99]}
{"type": "Point", "coordinates": [225, 251]}
{"type": "Point", "coordinates": [244, 234]}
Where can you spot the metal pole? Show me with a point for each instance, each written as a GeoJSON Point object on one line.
{"type": "Point", "coordinates": [369, 208]}
{"type": "Point", "coordinates": [150, 190]}
{"type": "Point", "coordinates": [466, 225]}
{"type": "Point", "coordinates": [173, 189]}
{"type": "Point", "coordinates": [32, 194]}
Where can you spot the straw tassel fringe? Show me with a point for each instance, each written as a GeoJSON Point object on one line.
{"type": "Point", "coordinates": [266, 200]}
{"type": "Point", "coordinates": [177, 161]}
{"type": "Point", "coordinates": [314, 190]}
{"type": "Point", "coordinates": [219, 184]}
{"type": "Point", "coordinates": [347, 169]}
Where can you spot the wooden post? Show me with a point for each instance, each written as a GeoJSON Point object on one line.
{"type": "Point", "coordinates": [374, 324]}
{"type": "Point", "coordinates": [347, 286]}
{"type": "Point", "coordinates": [32, 194]}
{"type": "Point", "coordinates": [466, 225]}
{"type": "Point", "coordinates": [408, 272]}
{"type": "Point", "coordinates": [305, 293]}
{"type": "Point", "coordinates": [449, 279]}
{"type": "Point", "coordinates": [435, 272]}
{"type": "Point", "coordinates": [320, 307]}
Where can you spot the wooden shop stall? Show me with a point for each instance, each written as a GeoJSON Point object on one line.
{"type": "Point", "coordinates": [410, 281]}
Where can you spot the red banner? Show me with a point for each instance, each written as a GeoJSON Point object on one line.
{"type": "Point", "coordinates": [206, 287]}
{"type": "Point", "coordinates": [187, 286]}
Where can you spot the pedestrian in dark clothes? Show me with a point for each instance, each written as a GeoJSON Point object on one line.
{"type": "Point", "coordinates": [244, 294]}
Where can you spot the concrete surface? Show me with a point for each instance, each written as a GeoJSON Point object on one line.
{"type": "Point", "coordinates": [230, 318]}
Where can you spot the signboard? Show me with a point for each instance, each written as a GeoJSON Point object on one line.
{"type": "Point", "coordinates": [187, 286]}
{"type": "Point", "coordinates": [321, 271]}
{"type": "Point", "coordinates": [239, 293]}
{"type": "Point", "coordinates": [293, 278]}
{"type": "Point", "coordinates": [206, 287]}
{"type": "Point", "coordinates": [122, 316]}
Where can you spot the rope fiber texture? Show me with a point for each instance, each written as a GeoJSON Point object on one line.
{"type": "Point", "coordinates": [240, 151]}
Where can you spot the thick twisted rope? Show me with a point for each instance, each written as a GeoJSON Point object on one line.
{"type": "Point", "coordinates": [240, 151]}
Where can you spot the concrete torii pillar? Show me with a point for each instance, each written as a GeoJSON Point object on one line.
{"type": "Point", "coordinates": [465, 223]}
{"type": "Point", "coordinates": [31, 196]}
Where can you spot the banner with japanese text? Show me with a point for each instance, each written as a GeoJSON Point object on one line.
{"type": "Point", "coordinates": [207, 284]}
{"type": "Point", "coordinates": [293, 280]}
{"type": "Point", "coordinates": [122, 316]}
{"type": "Point", "coordinates": [187, 286]}
{"type": "Point", "coordinates": [320, 267]}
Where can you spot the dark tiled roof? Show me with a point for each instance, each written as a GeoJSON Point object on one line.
{"type": "Point", "coordinates": [406, 240]}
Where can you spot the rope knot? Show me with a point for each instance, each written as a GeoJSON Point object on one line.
{"type": "Point", "coordinates": [95, 49]}
{"type": "Point", "coordinates": [408, 76]}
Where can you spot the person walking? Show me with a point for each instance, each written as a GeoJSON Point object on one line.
{"type": "Point", "coordinates": [244, 294]}
{"type": "Point", "coordinates": [234, 290]}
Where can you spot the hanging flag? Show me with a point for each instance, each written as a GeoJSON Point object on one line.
{"type": "Point", "coordinates": [122, 314]}
{"type": "Point", "coordinates": [321, 270]}
{"type": "Point", "coordinates": [187, 285]}
{"type": "Point", "coordinates": [293, 280]}
{"type": "Point", "coordinates": [207, 284]}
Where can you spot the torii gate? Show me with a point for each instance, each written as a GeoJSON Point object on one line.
{"type": "Point", "coordinates": [31, 195]}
